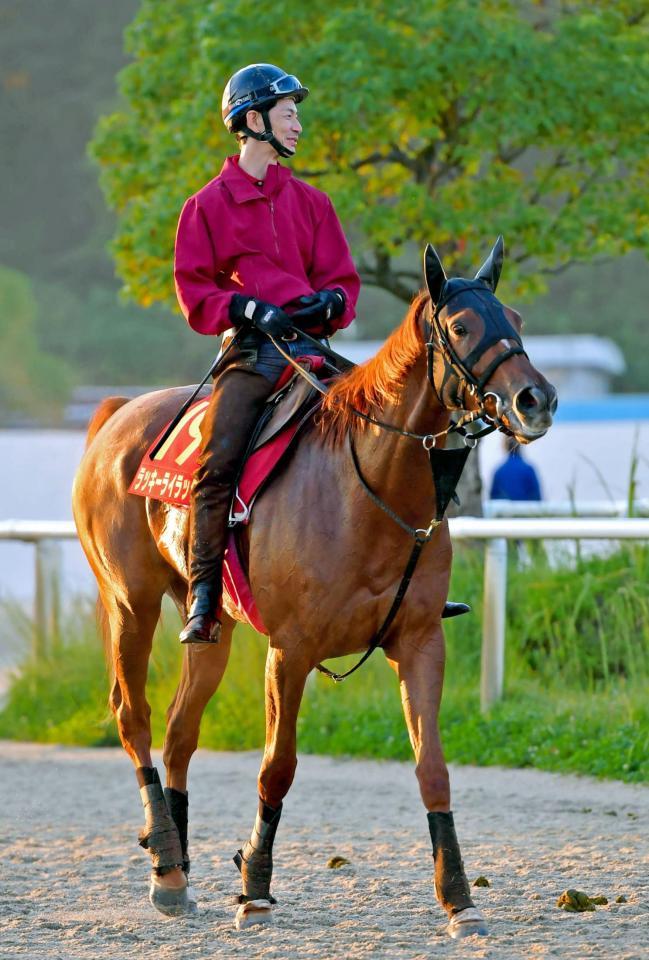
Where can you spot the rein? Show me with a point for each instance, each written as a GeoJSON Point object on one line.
{"type": "Point", "coordinates": [429, 440]}
{"type": "Point", "coordinates": [420, 535]}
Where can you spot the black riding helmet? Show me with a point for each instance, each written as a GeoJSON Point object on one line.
{"type": "Point", "coordinates": [258, 87]}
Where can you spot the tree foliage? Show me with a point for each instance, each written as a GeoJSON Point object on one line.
{"type": "Point", "coordinates": [449, 121]}
{"type": "Point", "coordinates": [115, 343]}
{"type": "Point", "coordinates": [31, 381]}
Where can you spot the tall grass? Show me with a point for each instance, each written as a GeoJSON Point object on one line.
{"type": "Point", "coordinates": [577, 665]}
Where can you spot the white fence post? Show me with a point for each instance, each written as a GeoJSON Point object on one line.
{"type": "Point", "coordinates": [47, 600]}
{"type": "Point", "coordinates": [493, 624]}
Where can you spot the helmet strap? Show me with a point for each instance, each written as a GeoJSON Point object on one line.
{"type": "Point", "coordinates": [267, 136]}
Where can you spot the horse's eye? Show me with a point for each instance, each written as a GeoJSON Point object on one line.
{"type": "Point", "coordinates": [458, 330]}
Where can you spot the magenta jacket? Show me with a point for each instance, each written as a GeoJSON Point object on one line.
{"type": "Point", "coordinates": [277, 241]}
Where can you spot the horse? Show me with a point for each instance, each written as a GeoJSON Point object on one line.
{"type": "Point", "coordinates": [326, 551]}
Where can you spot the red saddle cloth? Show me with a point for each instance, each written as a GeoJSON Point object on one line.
{"type": "Point", "coordinates": [169, 477]}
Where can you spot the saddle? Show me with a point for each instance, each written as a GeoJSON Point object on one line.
{"type": "Point", "coordinates": [274, 434]}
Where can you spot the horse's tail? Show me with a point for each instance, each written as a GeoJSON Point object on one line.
{"type": "Point", "coordinates": [104, 629]}
{"type": "Point", "coordinates": [104, 412]}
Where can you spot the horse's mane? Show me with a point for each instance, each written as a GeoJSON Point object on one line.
{"type": "Point", "coordinates": [375, 382]}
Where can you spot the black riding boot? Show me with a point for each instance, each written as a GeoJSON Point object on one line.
{"type": "Point", "coordinates": [203, 625]}
{"type": "Point", "coordinates": [234, 408]}
{"type": "Point", "coordinates": [454, 609]}
{"type": "Point", "coordinates": [208, 521]}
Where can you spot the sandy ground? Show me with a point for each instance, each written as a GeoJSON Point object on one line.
{"type": "Point", "coordinates": [74, 882]}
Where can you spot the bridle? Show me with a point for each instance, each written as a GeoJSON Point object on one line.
{"type": "Point", "coordinates": [463, 368]}
{"type": "Point", "coordinates": [499, 329]}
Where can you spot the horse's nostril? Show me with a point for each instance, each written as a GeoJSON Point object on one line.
{"type": "Point", "coordinates": [529, 399]}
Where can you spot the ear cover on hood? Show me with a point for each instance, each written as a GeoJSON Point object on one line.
{"type": "Point", "coordinates": [434, 273]}
{"type": "Point", "coordinates": [489, 272]}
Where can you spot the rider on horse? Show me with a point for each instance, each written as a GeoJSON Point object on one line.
{"type": "Point", "coordinates": [260, 251]}
{"type": "Point", "coordinates": [253, 247]}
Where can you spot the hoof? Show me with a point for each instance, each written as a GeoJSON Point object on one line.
{"type": "Point", "coordinates": [467, 923]}
{"type": "Point", "coordinates": [172, 903]}
{"type": "Point", "coordinates": [252, 912]}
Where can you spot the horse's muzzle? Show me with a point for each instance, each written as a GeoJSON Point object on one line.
{"type": "Point", "coordinates": [533, 408]}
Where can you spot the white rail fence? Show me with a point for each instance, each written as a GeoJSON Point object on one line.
{"type": "Point", "coordinates": [46, 535]}
{"type": "Point", "coordinates": [496, 531]}
{"type": "Point", "coordinates": [565, 508]}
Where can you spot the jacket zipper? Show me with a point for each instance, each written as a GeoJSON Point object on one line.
{"type": "Point", "coordinates": [272, 220]}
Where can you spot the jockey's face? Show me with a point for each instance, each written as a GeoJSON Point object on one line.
{"type": "Point", "coordinates": [284, 121]}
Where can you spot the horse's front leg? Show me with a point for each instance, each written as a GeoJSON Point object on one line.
{"type": "Point", "coordinates": [286, 675]}
{"type": "Point", "coordinates": [420, 668]}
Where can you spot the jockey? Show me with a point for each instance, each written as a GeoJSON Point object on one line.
{"type": "Point", "coordinates": [254, 248]}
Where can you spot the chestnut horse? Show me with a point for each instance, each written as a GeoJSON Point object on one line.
{"type": "Point", "coordinates": [325, 562]}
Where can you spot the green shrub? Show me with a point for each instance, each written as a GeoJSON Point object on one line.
{"type": "Point", "coordinates": [576, 670]}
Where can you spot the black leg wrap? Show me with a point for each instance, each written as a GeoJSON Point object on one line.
{"type": "Point", "coordinates": [159, 835]}
{"type": "Point", "coordinates": [255, 860]}
{"type": "Point", "coordinates": [178, 803]}
{"type": "Point", "coordinates": [451, 884]}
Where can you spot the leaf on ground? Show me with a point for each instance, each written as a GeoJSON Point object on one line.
{"type": "Point", "coordinates": [481, 882]}
{"type": "Point", "coordinates": [621, 899]}
{"type": "Point", "coordinates": [334, 863]}
{"type": "Point", "coordinates": [575, 901]}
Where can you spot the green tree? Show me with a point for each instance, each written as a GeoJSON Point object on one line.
{"type": "Point", "coordinates": [31, 382]}
{"type": "Point", "coordinates": [448, 121]}
{"type": "Point", "coordinates": [115, 343]}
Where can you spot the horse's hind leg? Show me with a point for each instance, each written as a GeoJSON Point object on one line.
{"type": "Point", "coordinates": [286, 675]}
{"type": "Point", "coordinates": [420, 669]}
{"type": "Point", "coordinates": [131, 634]}
{"type": "Point", "coordinates": [132, 618]}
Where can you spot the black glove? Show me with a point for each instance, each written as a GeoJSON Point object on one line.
{"type": "Point", "coordinates": [321, 307]}
{"type": "Point", "coordinates": [265, 316]}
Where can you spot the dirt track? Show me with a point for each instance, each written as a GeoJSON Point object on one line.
{"type": "Point", "coordinates": [74, 882]}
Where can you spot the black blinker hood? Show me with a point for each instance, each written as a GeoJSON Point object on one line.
{"type": "Point", "coordinates": [476, 296]}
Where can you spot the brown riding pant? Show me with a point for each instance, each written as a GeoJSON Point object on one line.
{"type": "Point", "coordinates": [236, 403]}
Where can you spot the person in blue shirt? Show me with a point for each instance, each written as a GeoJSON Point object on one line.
{"type": "Point", "coordinates": [515, 479]}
